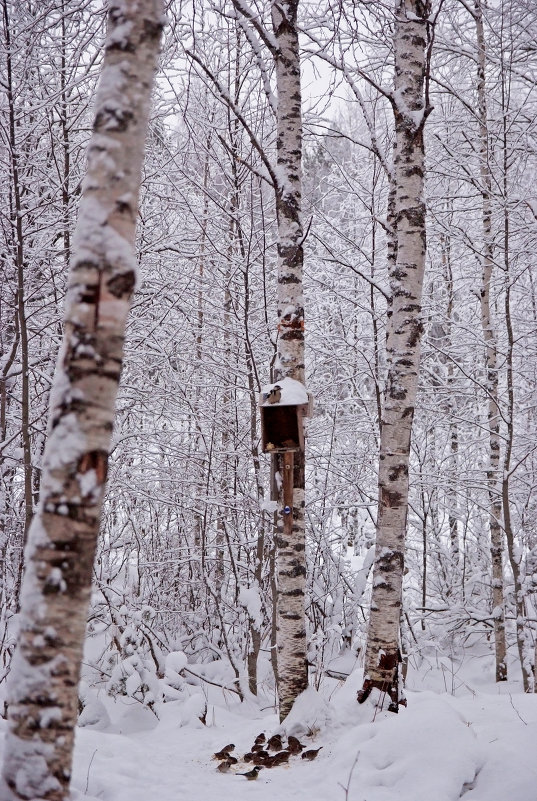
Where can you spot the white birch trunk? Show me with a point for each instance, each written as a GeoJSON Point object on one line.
{"type": "Point", "coordinates": [491, 360]}
{"type": "Point", "coordinates": [403, 349]}
{"type": "Point", "coordinates": [292, 674]}
{"type": "Point", "coordinates": [43, 684]}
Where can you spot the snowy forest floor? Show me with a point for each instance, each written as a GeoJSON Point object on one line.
{"type": "Point", "coordinates": [459, 738]}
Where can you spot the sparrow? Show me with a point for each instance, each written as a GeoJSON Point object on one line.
{"type": "Point", "coordinates": [260, 739]}
{"type": "Point", "coordinates": [229, 748]}
{"type": "Point", "coordinates": [257, 747]}
{"type": "Point", "coordinates": [260, 758]}
{"type": "Point", "coordinates": [294, 746]}
{"type": "Point", "coordinates": [232, 760]}
{"type": "Point", "coordinates": [252, 774]}
{"type": "Point", "coordinates": [280, 758]}
{"type": "Point", "coordinates": [275, 394]}
{"type": "Point", "coordinates": [221, 755]}
{"type": "Point", "coordinates": [248, 757]}
{"type": "Point", "coordinates": [275, 743]}
{"type": "Point", "coordinates": [224, 767]}
{"type": "Point", "coordinates": [311, 754]}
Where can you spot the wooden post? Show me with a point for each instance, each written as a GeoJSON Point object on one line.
{"type": "Point", "coordinates": [287, 479]}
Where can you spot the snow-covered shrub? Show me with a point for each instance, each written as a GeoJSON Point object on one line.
{"type": "Point", "coordinates": [136, 670]}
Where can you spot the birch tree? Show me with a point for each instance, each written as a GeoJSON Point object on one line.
{"type": "Point", "coordinates": [402, 347]}
{"type": "Point", "coordinates": [290, 555]}
{"type": "Point", "coordinates": [285, 176]}
{"type": "Point", "coordinates": [62, 538]}
{"type": "Point", "coordinates": [491, 359]}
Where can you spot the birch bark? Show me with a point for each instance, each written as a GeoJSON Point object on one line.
{"type": "Point", "coordinates": [292, 675]}
{"type": "Point", "coordinates": [402, 348]}
{"type": "Point", "coordinates": [491, 360]}
{"type": "Point", "coordinates": [42, 692]}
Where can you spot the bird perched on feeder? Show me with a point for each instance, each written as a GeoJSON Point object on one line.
{"type": "Point", "coordinates": [251, 775]}
{"type": "Point", "coordinates": [274, 395]}
{"type": "Point", "coordinates": [311, 754]}
{"type": "Point", "coordinates": [294, 746]}
{"type": "Point", "coordinates": [275, 743]}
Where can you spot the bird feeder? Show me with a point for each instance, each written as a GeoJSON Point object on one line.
{"type": "Point", "coordinates": [283, 406]}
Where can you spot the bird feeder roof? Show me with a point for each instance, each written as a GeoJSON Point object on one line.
{"type": "Point", "coordinates": [293, 393]}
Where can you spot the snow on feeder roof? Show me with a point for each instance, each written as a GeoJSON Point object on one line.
{"type": "Point", "coordinates": [282, 406]}
{"type": "Point", "coordinates": [286, 392]}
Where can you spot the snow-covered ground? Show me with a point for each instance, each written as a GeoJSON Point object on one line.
{"type": "Point", "coordinates": [478, 744]}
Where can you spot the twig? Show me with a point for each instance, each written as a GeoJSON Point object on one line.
{"type": "Point", "coordinates": [89, 768]}
{"type": "Point", "coordinates": [347, 788]}
{"type": "Point", "coordinates": [516, 710]}
{"type": "Point", "coordinates": [214, 684]}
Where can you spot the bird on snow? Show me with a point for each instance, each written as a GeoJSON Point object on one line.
{"type": "Point", "coordinates": [252, 774]}
{"type": "Point", "coordinates": [224, 767]}
{"type": "Point", "coordinates": [229, 748]}
{"type": "Point", "coordinates": [274, 395]}
{"type": "Point", "coordinates": [311, 754]}
{"type": "Point", "coordinates": [260, 739]}
{"type": "Point", "coordinates": [221, 755]}
{"type": "Point", "coordinates": [281, 758]}
{"type": "Point", "coordinates": [275, 743]}
{"type": "Point", "coordinates": [294, 746]}
{"type": "Point", "coordinates": [260, 757]}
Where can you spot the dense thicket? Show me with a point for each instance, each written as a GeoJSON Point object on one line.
{"type": "Point", "coordinates": [186, 556]}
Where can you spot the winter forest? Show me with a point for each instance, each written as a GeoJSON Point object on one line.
{"type": "Point", "coordinates": [268, 400]}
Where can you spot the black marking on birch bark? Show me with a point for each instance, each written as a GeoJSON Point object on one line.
{"type": "Point", "coordinates": [113, 119]}
{"type": "Point", "coordinates": [396, 394]}
{"type": "Point", "coordinates": [121, 284]}
{"type": "Point", "coordinates": [152, 30]}
{"type": "Point", "coordinates": [397, 471]}
{"type": "Point", "coordinates": [124, 207]}
{"type": "Point", "coordinates": [416, 332]}
{"type": "Point", "coordinates": [89, 293]}
{"type": "Point", "coordinates": [400, 292]}
{"type": "Point", "coordinates": [295, 571]}
{"type": "Point", "coordinates": [415, 216]}
{"type": "Point", "coordinates": [399, 274]}
{"type": "Point", "coordinates": [290, 616]}
{"type": "Point", "coordinates": [415, 170]}
{"type": "Point", "coordinates": [122, 46]}
{"type": "Point", "coordinates": [83, 368]}
{"type": "Point", "coordinates": [390, 498]}
{"type": "Point", "coordinates": [290, 335]}
{"type": "Point", "coordinates": [296, 593]}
